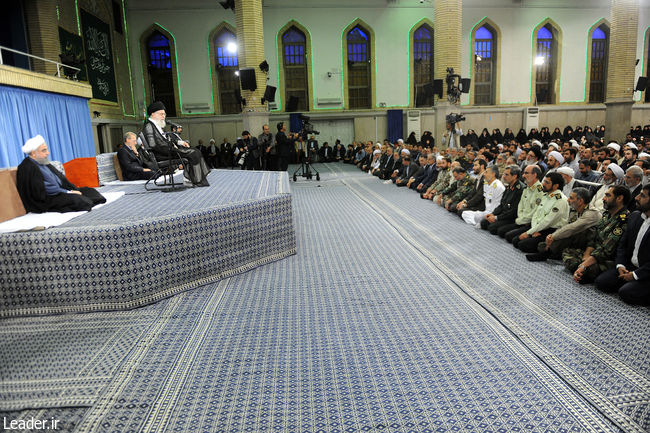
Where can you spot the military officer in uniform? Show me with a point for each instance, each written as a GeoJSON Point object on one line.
{"type": "Point", "coordinates": [459, 189]}
{"type": "Point", "coordinates": [442, 182]}
{"type": "Point", "coordinates": [551, 214]}
{"type": "Point", "coordinates": [582, 217]}
{"type": "Point", "coordinates": [600, 253]}
{"type": "Point", "coordinates": [506, 211]}
{"type": "Point", "coordinates": [531, 197]}
{"type": "Point", "coordinates": [493, 190]}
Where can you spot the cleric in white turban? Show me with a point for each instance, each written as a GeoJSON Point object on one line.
{"type": "Point", "coordinates": [43, 188]}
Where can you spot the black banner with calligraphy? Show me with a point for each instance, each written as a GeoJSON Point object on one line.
{"type": "Point", "coordinates": [99, 56]}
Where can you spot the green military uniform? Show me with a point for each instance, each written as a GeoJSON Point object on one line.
{"type": "Point", "coordinates": [463, 187]}
{"type": "Point", "coordinates": [604, 241]}
{"type": "Point", "coordinates": [530, 199]}
{"type": "Point", "coordinates": [575, 234]}
{"type": "Point", "coordinates": [552, 212]}
{"type": "Point", "coordinates": [444, 176]}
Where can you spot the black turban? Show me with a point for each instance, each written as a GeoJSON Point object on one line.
{"type": "Point", "coordinates": [155, 106]}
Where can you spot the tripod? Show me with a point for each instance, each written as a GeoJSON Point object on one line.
{"type": "Point", "coordinates": [306, 168]}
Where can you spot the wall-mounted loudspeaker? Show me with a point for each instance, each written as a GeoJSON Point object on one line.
{"type": "Point", "coordinates": [247, 78]}
{"type": "Point", "coordinates": [269, 94]}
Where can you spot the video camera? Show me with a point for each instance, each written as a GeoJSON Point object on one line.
{"type": "Point", "coordinates": [454, 118]}
{"type": "Point", "coordinates": [307, 128]}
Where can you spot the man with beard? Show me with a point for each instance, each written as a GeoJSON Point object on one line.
{"type": "Point", "coordinates": [442, 181]}
{"type": "Point", "coordinates": [196, 169]}
{"type": "Point", "coordinates": [582, 217]}
{"type": "Point", "coordinates": [554, 161]}
{"type": "Point", "coordinates": [586, 172]}
{"type": "Point", "coordinates": [531, 197]}
{"type": "Point", "coordinates": [631, 277]}
{"type": "Point", "coordinates": [633, 179]}
{"type": "Point", "coordinates": [506, 212]}
{"type": "Point", "coordinates": [493, 190]}
{"type": "Point", "coordinates": [42, 188]}
{"type": "Point", "coordinates": [599, 255]}
{"type": "Point", "coordinates": [613, 175]}
{"type": "Point", "coordinates": [551, 214]}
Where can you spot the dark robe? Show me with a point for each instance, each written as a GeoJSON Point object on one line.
{"type": "Point", "coordinates": [31, 187]}
{"type": "Point", "coordinates": [132, 165]}
{"type": "Point", "coordinates": [196, 169]}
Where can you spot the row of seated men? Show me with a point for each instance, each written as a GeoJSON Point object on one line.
{"type": "Point", "coordinates": [598, 229]}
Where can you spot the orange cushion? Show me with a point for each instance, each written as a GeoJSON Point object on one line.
{"type": "Point", "coordinates": [82, 172]}
{"type": "Point", "coordinates": [12, 205]}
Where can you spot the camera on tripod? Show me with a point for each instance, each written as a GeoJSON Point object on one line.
{"type": "Point", "coordinates": [307, 128]}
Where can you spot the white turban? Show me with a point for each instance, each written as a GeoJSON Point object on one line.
{"type": "Point", "coordinates": [566, 170]}
{"type": "Point", "coordinates": [406, 152]}
{"type": "Point", "coordinates": [553, 144]}
{"type": "Point", "coordinates": [33, 143]}
{"type": "Point", "coordinates": [617, 170]}
{"type": "Point", "coordinates": [644, 155]}
{"type": "Point", "coordinates": [536, 143]}
{"type": "Point", "coordinates": [632, 145]}
{"type": "Point", "coordinates": [574, 144]}
{"type": "Point", "coordinates": [558, 156]}
{"type": "Point", "coordinates": [614, 146]}
{"type": "Point", "coordinates": [400, 141]}
{"type": "Point", "coordinates": [377, 151]}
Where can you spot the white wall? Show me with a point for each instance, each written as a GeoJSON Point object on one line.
{"type": "Point", "coordinates": [391, 26]}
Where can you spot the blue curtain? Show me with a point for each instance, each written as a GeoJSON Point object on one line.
{"type": "Point", "coordinates": [395, 125]}
{"type": "Point", "coordinates": [64, 122]}
{"type": "Point", "coordinates": [295, 124]}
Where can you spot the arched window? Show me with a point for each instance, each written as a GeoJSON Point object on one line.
{"type": "Point", "coordinates": [485, 65]}
{"type": "Point", "coordinates": [423, 64]}
{"type": "Point", "coordinates": [599, 59]}
{"type": "Point", "coordinates": [226, 65]}
{"type": "Point", "coordinates": [159, 67]}
{"type": "Point", "coordinates": [545, 65]}
{"type": "Point", "coordinates": [294, 51]}
{"type": "Point", "coordinates": [359, 80]}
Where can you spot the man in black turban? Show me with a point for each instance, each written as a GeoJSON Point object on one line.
{"type": "Point", "coordinates": [196, 169]}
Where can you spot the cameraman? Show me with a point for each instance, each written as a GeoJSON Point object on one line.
{"type": "Point", "coordinates": [249, 147]}
{"type": "Point", "coordinates": [268, 149]}
{"type": "Point", "coordinates": [283, 146]}
{"type": "Point", "coordinates": [451, 138]}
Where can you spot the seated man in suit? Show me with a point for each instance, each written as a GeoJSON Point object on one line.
{"type": "Point", "coordinates": [131, 162]}
{"type": "Point", "coordinates": [631, 277]}
{"type": "Point", "coordinates": [43, 188]}
{"type": "Point", "coordinates": [196, 169]}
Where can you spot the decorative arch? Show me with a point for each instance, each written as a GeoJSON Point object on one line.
{"type": "Point", "coordinates": [144, 58]}
{"type": "Point", "coordinates": [279, 96]}
{"type": "Point", "coordinates": [344, 61]}
{"type": "Point", "coordinates": [411, 40]}
{"type": "Point", "coordinates": [590, 35]}
{"type": "Point", "coordinates": [557, 38]}
{"type": "Point", "coordinates": [496, 72]}
{"type": "Point", "coordinates": [214, 76]}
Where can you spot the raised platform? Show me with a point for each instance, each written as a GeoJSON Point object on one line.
{"type": "Point", "coordinates": [148, 246]}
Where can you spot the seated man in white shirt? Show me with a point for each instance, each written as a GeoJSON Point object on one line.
{"type": "Point", "coordinates": [493, 189]}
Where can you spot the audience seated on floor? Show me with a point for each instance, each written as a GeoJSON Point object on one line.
{"type": "Point", "coordinates": [43, 188]}
{"type": "Point", "coordinates": [598, 256]}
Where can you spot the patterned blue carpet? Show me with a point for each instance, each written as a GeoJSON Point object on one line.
{"type": "Point", "coordinates": [393, 316]}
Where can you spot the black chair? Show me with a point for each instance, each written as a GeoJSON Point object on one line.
{"type": "Point", "coordinates": [162, 169]}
